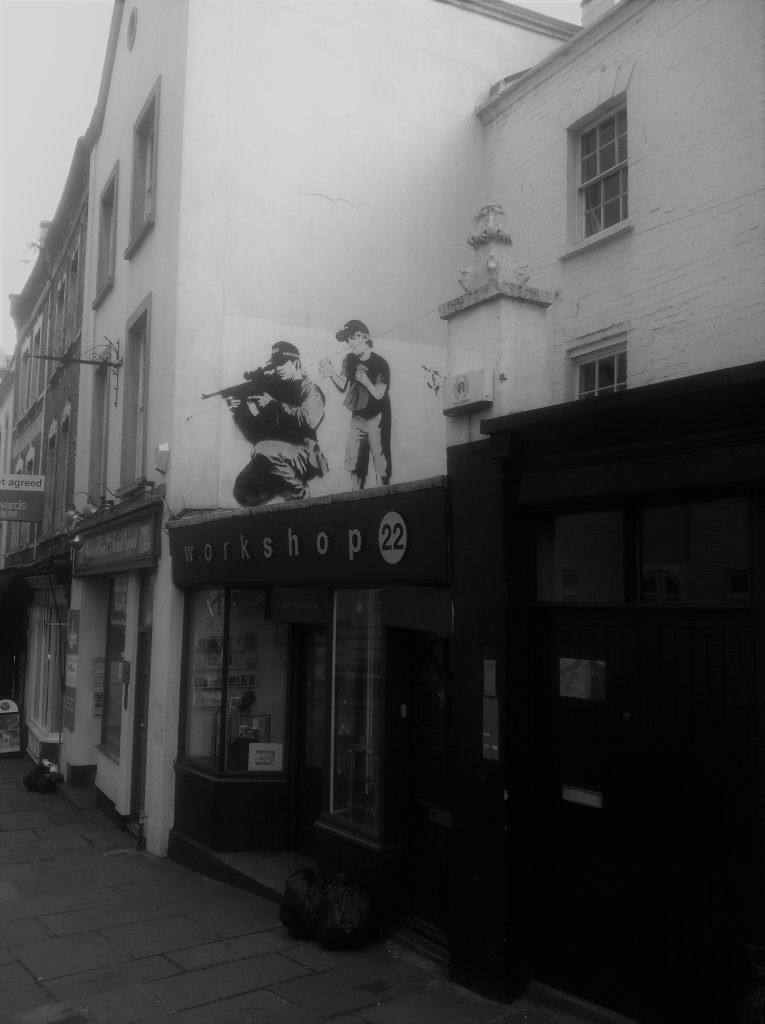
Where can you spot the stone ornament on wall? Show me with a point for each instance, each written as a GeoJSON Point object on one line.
{"type": "Point", "coordinates": [494, 261]}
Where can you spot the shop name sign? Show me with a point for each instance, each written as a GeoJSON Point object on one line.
{"type": "Point", "coordinates": [21, 497]}
{"type": "Point", "coordinates": [400, 536]}
{"type": "Point", "coordinates": [130, 543]}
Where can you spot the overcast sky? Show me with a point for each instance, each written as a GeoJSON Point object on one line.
{"type": "Point", "coordinates": [51, 58]}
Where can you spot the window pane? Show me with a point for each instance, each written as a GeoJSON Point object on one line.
{"type": "Point", "coordinates": [611, 187]}
{"type": "Point", "coordinates": [589, 167]}
{"type": "Point", "coordinates": [607, 131]}
{"type": "Point", "coordinates": [357, 708]}
{"type": "Point", "coordinates": [690, 552]}
{"type": "Point", "coordinates": [621, 368]}
{"type": "Point", "coordinates": [589, 545]}
{"type": "Point", "coordinates": [621, 122]}
{"type": "Point", "coordinates": [605, 373]}
{"type": "Point", "coordinates": [607, 156]}
{"type": "Point", "coordinates": [256, 690]}
{"type": "Point", "coordinates": [587, 379]}
{"type": "Point", "coordinates": [205, 677]}
{"type": "Point", "coordinates": [589, 142]}
{"type": "Point", "coordinates": [115, 666]}
{"type": "Point", "coordinates": [612, 213]}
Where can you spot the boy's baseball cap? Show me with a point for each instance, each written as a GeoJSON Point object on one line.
{"type": "Point", "coordinates": [351, 328]}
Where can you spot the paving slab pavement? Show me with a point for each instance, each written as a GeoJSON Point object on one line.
{"type": "Point", "coordinates": [96, 931]}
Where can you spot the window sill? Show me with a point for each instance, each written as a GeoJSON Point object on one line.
{"type": "Point", "coordinates": [105, 289]}
{"type": "Point", "coordinates": [140, 234]}
{"type": "Point", "coordinates": [108, 753]}
{"type": "Point", "coordinates": [623, 228]}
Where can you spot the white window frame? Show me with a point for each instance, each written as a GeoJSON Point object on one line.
{"type": "Point", "coordinates": [143, 190]}
{"type": "Point", "coordinates": [135, 397]}
{"type": "Point", "coordinates": [107, 237]}
{"type": "Point", "coordinates": [594, 349]}
{"type": "Point", "coordinates": [606, 159]}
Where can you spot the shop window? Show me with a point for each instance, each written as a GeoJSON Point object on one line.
{"type": "Point", "coordinates": [237, 688]}
{"type": "Point", "coordinates": [116, 668]}
{"type": "Point", "coordinates": [580, 558]}
{"type": "Point", "coordinates": [357, 708]}
{"type": "Point", "coordinates": [696, 553]}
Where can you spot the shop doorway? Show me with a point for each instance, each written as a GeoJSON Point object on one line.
{"type": "Point", "coordinates": [427, 782]}
{"type": "Point", "coordinates": [309, 776]}
{"type": "Point", "coordinates": [645, 806]}
{"type": "Point", "coordinates": [141, 708]}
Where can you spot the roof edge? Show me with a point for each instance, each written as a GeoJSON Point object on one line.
{"type": "Point", "coordinates": [511, 14]}
{"type": "Point", "coordinates": [97, 120]}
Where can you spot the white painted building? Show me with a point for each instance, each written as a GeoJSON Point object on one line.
{"type": "Point", "coordinates": [259, 173]}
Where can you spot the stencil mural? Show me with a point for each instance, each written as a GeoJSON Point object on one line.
{"type": "Point", "coordinates": [316, 419]}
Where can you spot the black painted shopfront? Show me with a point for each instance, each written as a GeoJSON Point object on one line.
{"type": "Point", "coordinates": [608, 590]}
{"type": "Point", "coordinates": [315, 699]}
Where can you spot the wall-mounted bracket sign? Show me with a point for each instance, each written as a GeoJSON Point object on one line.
{"type": "Point", "coordinates": [468, 392]}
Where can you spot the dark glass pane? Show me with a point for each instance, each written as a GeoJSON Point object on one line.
{"type": "Point", "coordinates": [587, 379]}
{"type": "Point", "coordinates": [607, 131]}
{"type": "Point", "coordinates": [589, 142]}
{"type": "Point", "coordinates": [612, 213]}
{"type": "Point", "coordinates": [589, 167]}
{"type": "Point", "coordinates": [621, 122]}
{"type": "Point", "coordinates": [605, 373]}
{"type": "Point", "coordinates": [621, 368]}
{"type": "Point", "coordinates": [621, 148]}
{"type": "Point", "coordinates": [590, 544]}
{"type": "Point", "coordinates": [611, 187]}
{"type": "Point", "coordinates": [625, 205]}
{"type": "Point", "coordinates": [694, 550]}
{"type": "Point", "coordinates": [607, 156]}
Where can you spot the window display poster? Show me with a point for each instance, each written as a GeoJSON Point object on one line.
{"type": "Point", "coordinates": [70, 668]}
{"type": "Point", "coordinates": [10, 739]}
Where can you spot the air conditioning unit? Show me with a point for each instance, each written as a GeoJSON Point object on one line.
{"type": "Point", "coordinates": [467, 392]}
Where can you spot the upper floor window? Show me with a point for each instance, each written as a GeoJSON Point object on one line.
{"type": "Point", "coordinates": [603, 173]}
{"type": "Point", "coordinates": [107, 238]}
{"type": "Point", "coordinates": [134, 410]}
{"type": "Point", "coordinates": [143, 195]}
{"type": "Point", "coordinates": [602, 374]}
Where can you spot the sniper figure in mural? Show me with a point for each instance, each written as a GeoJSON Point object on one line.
{"type": "Point", "coordinates": [279, 415]}
{"type": "Point", "coordinates": [365, 379]}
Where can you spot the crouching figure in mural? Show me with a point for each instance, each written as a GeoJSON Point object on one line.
{"type": "Point", "coordinates": [365, 379]}
{"type": "Point", "coordinates": [279, 415]}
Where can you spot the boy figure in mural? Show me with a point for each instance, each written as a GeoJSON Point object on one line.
{"type": "Point", "coordinates": [365, 379]}
{"type": "Point", "coordinates": [281, 419]}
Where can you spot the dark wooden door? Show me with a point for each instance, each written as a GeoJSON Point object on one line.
{"type": "Point", "coordinates": [309, 781]}
{"type": "Point", "coordinates": [645, 806]}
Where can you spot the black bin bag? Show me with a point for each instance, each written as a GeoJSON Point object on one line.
{"type": "Point", "coordinates": [346, 917]}
{"type": "Point", "coordinates": [303, 891]}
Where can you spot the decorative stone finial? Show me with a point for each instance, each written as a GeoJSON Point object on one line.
{"type": "Point", "coordinates": [491, 243]}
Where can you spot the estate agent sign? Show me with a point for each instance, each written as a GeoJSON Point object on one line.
{"type": "Point", "coordinates": [21, 497]}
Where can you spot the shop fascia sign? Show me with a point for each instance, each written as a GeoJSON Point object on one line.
{"type": "Point", "coordinates": [400, 536]}
{"type": "Point", "coordinates": [21, 498]}
{"type": "Point", "coordinates": [131, 543]}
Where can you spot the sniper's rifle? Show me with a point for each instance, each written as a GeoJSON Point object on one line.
{"type": "Point", "coordinates": [255, 381]}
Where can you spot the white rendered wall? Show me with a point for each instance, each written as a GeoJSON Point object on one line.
{"type": "Point", "coordinates": [331, 171]}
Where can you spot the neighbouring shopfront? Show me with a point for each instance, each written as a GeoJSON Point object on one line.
{"type": "Point", "coordinates": [619, 817]}
{"type": "Point", "coordinates": [315, 701]}
{"type": "Point", "coordinates": [108, 654]}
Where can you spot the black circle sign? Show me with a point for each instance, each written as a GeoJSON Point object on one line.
{"type": "Point", "coordinates": [392, 538]}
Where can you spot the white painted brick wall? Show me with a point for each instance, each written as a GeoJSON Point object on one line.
{"type": "Point", "coordinates": [689, 279]}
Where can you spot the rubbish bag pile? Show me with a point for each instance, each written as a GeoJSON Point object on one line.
{"type": "Point", "coordinates": [43, 778]}
{"type": "Point", "coordinates": [338, 914]}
